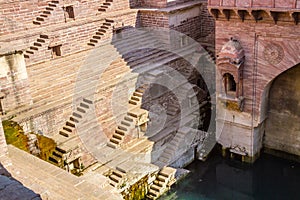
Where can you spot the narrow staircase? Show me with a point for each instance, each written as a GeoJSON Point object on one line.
{"type": "Point", "coordinates": [129, 122]}
{"type": "Point", "coordinates": [67, 132]}
{"type": "Point", "coordinates": [162, 183]}
{"type": "Point", "coordinates": [104, 31]}
{"type": "Point", "coordinates": [116, 178]}
{"type": "Point", "coordinates": [105, 5]}
{"type": "Point", "coordinates": [36, 45]}
{"type": "Point", "coordinates": [46, 13]}
{"type": "Point", "coordinates": [169, 152]}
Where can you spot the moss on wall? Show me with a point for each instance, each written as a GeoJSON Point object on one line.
{"type": "Point", "coordinates": [14, 135]}
{"type": "Point", "coordinates": [46, 146]}
{"type": "Point", "coordinates": [137, 191]}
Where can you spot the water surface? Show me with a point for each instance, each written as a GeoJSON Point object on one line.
{"type": "Point", "coordinates": [218, 178]}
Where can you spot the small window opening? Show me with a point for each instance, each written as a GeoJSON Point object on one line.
{"type": "Point", "coordinates": [229, 84]}
{"type": "Point", "coordinates": [56, 51]}
{"type": "Point", "coordinates": [70, 12]}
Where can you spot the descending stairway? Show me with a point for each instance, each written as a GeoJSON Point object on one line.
{"type": "Point", "coordinates": [129, 121]}
{"type": "Point", "coordinates": [169, 152]}
{"type": "Point", "coordinates": [105, 5]}
{"type": "Point", "coordinates": [67, 132]}
{"type": "Point", "coordinates": [116, 178]}
{"type": "Point", "coordinates": [46, 13]}
{"type": "Point", "coordinates": [36, 45]}
{"type": "Point", "coordinates": [162, 183]}
{"type": "Point", "coordinates": [101, 33]}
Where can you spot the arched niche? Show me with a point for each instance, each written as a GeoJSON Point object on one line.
{"type": "Point", "coordinates": [230, 64]}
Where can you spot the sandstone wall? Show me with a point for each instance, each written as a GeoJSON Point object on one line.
{"type": "Point", "coordinates": [269, 50]}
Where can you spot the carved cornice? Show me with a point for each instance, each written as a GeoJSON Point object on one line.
{"type": "Point", "coordinates": [255, 13]}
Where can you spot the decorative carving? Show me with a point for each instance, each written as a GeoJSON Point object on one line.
{"type": "Point", "coordinates": [273, 53]}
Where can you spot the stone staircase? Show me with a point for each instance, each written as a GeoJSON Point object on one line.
{"type": "Point", "coordinates": [36, 45]}
{"type": "Point", "coordinates": [129, 122]}
{"type": "Point", "coordinates": [46, 13]}
{"type": "Point", "coordinates": [105, 5]}
{"type": "Point", "coordinates": [117, 178]}
{"type": "Point", "coordinates": [169, 152]}
{"type": "Point", "coordinates": [67, 133]}
{"type": "Point", "coordinates": [162, 183]}
{"type": "Point", "coordinates": [104, 31]}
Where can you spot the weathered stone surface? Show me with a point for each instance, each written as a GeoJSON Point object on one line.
{"type": "Point", "coordinates": [270, 49]}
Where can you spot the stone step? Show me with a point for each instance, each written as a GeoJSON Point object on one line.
{"type": "Point", "coordinates": [64, 133]}
{"type": "Point", "coordinates": [87, 101]}
{"type": "Point", "coordinates": [49, 8]}
{"type": "Point", "coordinates": [37, 44]}
{"type": "Point", "coordinates": [34, 48]}
{"type": "Point", "coordinates": [44, 36]}
{"type": "Point", "coordinates": [112, 145]}
{"type": "Point", "coordinates": [57, 154]}
{"type": "Point", "coordinates": [81, 110]}
{"type": "Point", "coordinates": [41, 40]}
{"type": "Point", "coordinates": [134, 102]}
{"type": "Point", "coordinates": [159, 183]}
{"type": "Point", "coordinates": [164, 159]}
{"type": "Point", "coordinates": [83, 105]}
{"type": "Point", "coordinates": [102, 9]}
{"type": "Point", "coordinates": [70, 124]}
{"type": "Point", "coordinates": [125, 123]}
{"type": "Point", "coordinates": [93, 41]}
{"type": "Point", "coordinates": [56, 158]}
{"type": "Point", "coordinates": [97, 37]}
{"type": "Point", "coordinates": [74, 119]}
{"type": "Point", "coordinates": [135, 98]}
{"type": "Point", "coordinates": [115, 141]}
{"type": "Point", "coordinates": [167, 171]}
{"type": "Point", "coordinates": [109, 20]}
{"type": "Point", "coordinates": [155, 187]}
{"type": "Point", "coordinates": [99, 33]}
{"type": "Point", "coordinates": [166, 154]}
{"type": "Point", "coordinates": [77, 115]}
{"type": "Point", "coordinates": [68, 129]}
{"type": "Point", "coordinates": [122, 128]}
{"type": "Point", "coordinates": [118, 136]}
{"type": "Point", "coordinates": [29, 52]}
{"type": "Point", "coordinates": [138, 94]}
{"type": "Point", "coordinates": [128, 118]}
{"type": "Point", "coordinates": [118, 173]}
{"type": "Point", "coordinates": [154, 193]}
{"type": "Point", "coordinates": [115, 178]}
{"type": "Point", "coordinates": [161, 178]}
{"type": "Point", "coordinates": [40, 19]}
{"type": "Point", "coordinates": [46, 12]}
{"type": "Point", "coordinates": [120, 131]}
{"type": "Point", "coordinates": [52, 4]}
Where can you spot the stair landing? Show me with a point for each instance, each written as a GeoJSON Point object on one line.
{"type": "Point", "coordinates": [50, 181]}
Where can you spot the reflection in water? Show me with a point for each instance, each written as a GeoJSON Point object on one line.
{"type": "Point", "coordinates": [217, 178]}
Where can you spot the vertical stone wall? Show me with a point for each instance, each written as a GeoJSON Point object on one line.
{"type": "Point", "coordinates": [18, 15]}
{"type": "Point", "coordinates": [14, 84]}
{"type": "Point", "coordinates": [269, 50]}
{"type": "Point", "coordinates": [196, 22]}
{"type": "Point", "coordinates": [153, 3]}
{"type": "Point", "coordinates": [154, 19]}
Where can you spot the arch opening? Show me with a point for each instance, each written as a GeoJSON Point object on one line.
{"type": "Point", "coordinates": [282, 127]}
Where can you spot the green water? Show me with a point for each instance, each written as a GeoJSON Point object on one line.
{"type": "Point", "coordinates": [217, 178]}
